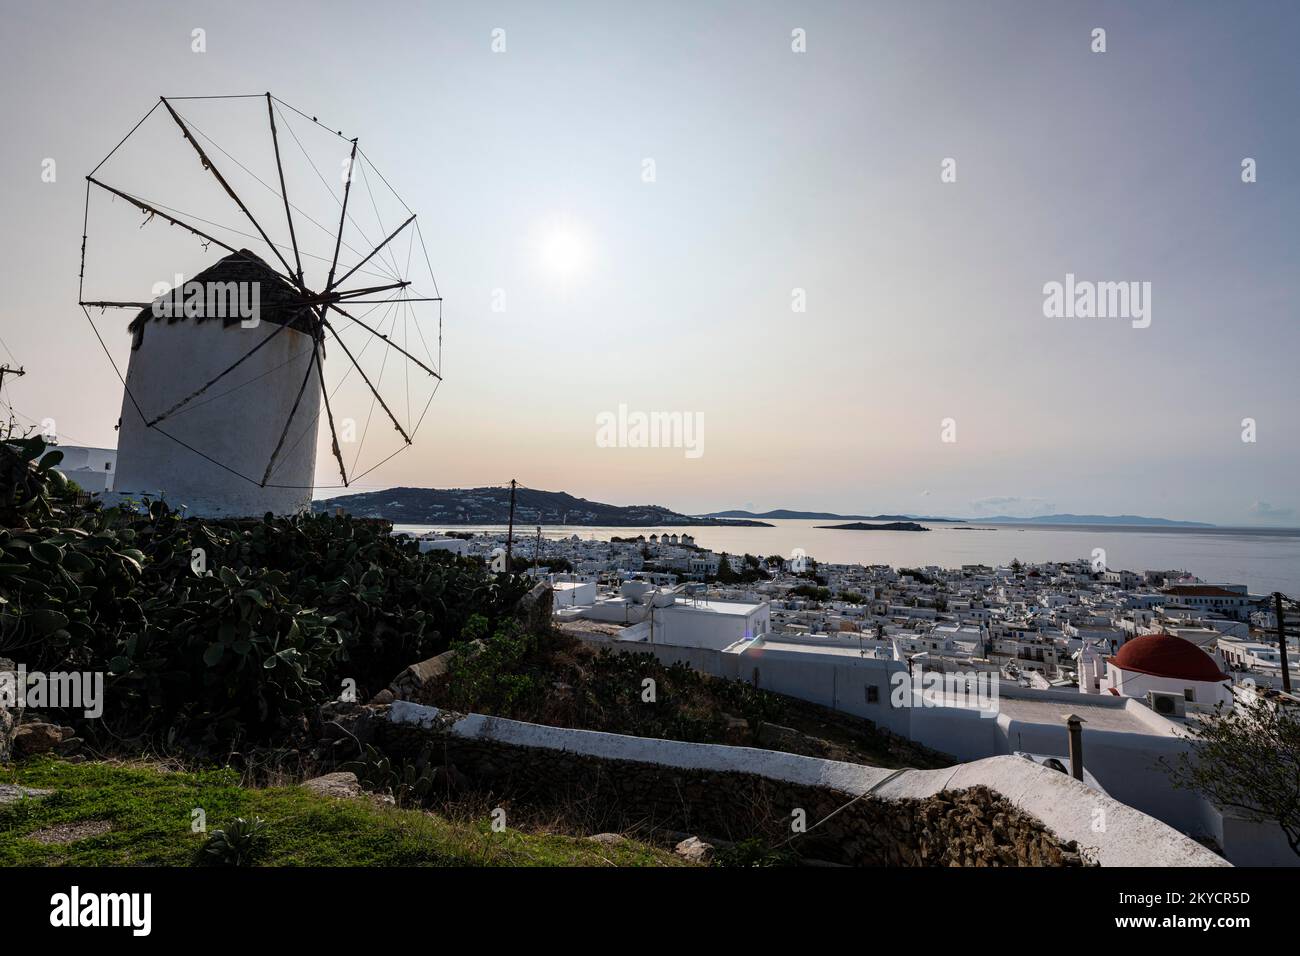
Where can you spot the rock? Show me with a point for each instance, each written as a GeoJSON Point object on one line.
{"type": "Point", "coordinates": [608, 839]}
{"type": "Point", "coordinates": [342, 783]}
{"type": "Point", "coordinates": [12, 793]}
{"type": "Point", "coordinates": [415, 681]}
{"type": "Point", "coordinates": [385, 696]}
{"type": "Point", "coordinates": [694, 850]}
{"type": "Point", "coordinates": [535, 608]}
{"type": "Point", "coordinates": [735, 723]}
{"type": "Point", "coordinates": [35, 738]}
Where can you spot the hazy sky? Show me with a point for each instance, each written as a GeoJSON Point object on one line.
{"type": "Point", "coordinates": [773, 171]}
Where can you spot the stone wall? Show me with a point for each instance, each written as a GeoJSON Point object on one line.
{"type": "Point", "coordinates": [976, 827]}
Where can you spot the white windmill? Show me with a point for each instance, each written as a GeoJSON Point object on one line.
{"type": "Point", "coordinates": [226, 378]}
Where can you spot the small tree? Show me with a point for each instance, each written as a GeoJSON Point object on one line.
{"type": "Point", "coordinates": [1247, 758]}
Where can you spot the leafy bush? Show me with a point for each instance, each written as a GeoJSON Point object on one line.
{"type": "Point", "coordinates": [409, 784]}
{"type": "Point", "coordinates": [812, 592]}
{"type": "Point", "coordinates": [492, 675]}
{"type": "Point", "coordinates": [218, 632]}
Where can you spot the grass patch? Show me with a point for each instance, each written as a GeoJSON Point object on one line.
{"type": "Point", "coordinates": [150, 812]}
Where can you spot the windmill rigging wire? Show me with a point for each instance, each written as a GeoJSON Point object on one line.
{"type": "Point", "coordinates": [378, 381]}
{"type": "Point", "coordinates": [246, 235]}
{"type": "Point", "coordinates": [383, 228]}
{"type": "Point", "coordinates": [125, 138]}
{"type": "Point", "coordinates": [280, 196]}
{"type": "Point", "coordinates": [310, 428]}
{"type": "Point", "coordinates": [328, 188]}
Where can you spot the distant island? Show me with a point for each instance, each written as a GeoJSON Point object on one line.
{"type": "Point", "coordinates": [784, 514]}
{"type": "Point", "coordinates": [1120, 520]}
{"type": "Point", "coordinates": [860, 526]}
{"type": "Point", "coordinates": [1061, 519]}
{"type": "Point", "coordinates": [469, 506]}
{"type": "Point", "coordinates": [491, 505]}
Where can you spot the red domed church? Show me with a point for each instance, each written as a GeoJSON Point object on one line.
{"type": "Point", "coordinates": [1157, 662]}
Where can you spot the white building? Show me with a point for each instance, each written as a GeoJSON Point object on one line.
{"type": "Point", "coordinates": [91, 468]}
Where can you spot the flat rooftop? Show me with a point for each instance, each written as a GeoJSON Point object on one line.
{"type": "Point", "coordinates": [791, 647]}
{"type": "Point", "coordinates": [717, 607]}
{"type": "Point", "coordinates": [1095, 716]}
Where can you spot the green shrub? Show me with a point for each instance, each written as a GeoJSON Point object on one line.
{"type": "Point", "coordinates": [214, 633]}
{"type": "Point", "coordinates": [240, 844]}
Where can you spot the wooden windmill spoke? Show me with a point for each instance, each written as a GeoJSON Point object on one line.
{"type": "Point", "coordinates": [211, 167]}
{"type": "Point", "coordinates": [386, 339]}
{"type": "Point", "coordinates": [307, 156]}
{"type": "Point", "coordinates": [193, 395]}
{"type": "Point", "coordinates": [343, 216]}
{"type": "Point", "coordinates": [384, 301]}
{"type": "Point", "coordinates": [390, 238]}
{"type": "Point", "coordinates": [329, 412]}
{"type": "Point", "coordinates": [270, 465]}
{"type": "Point", "coordinates": [284, 192]}
{"type": "Point", "coordinates": [145, 207]}
{"type": "Point", "coordinates": [348, 294]}
{"type": "Point", "coordinates": [366, 378]}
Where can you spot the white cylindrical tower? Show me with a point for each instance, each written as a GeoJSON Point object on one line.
{"type": "Point", "coordinates": [233, 427]}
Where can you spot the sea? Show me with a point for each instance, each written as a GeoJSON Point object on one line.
{"type": "Point", "coordinates": [1264, 559]}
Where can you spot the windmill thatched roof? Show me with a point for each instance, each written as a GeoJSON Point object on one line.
{"type": "Point", "coordinates": [278, 301]}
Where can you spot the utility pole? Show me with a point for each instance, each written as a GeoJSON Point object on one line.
{"type": "Point", "coordinates": [510, 537]}
{"type": "Point", "coordinates": [537, 548]}
{"type": "Point", "coordinates": [15, 372]}
{"type": "Point", "coordinates": [1281, 639]}
{"type": "Point", "coordinates": [10, 370]}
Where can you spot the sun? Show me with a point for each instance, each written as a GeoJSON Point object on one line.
{"type": "Point", "coordinates": [566, 252]}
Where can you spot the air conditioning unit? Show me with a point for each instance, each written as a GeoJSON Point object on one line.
{"type": "Point", "coordinates": [1166, 703]}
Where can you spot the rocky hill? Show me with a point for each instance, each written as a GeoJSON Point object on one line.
{"type": "Point", "coordinates": [453, 506]}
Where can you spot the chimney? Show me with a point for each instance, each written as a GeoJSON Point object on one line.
{"type": "Point", "coordinates": [1075, 725]}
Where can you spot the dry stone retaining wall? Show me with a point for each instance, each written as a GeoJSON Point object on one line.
{"type": "Point", "coordinates": [973, 828]}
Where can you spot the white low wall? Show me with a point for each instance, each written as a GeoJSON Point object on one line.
{"type": "Point", "coordinates": [1127, 763]}
{"type": "Point", "coordinates": [1107, 831]}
